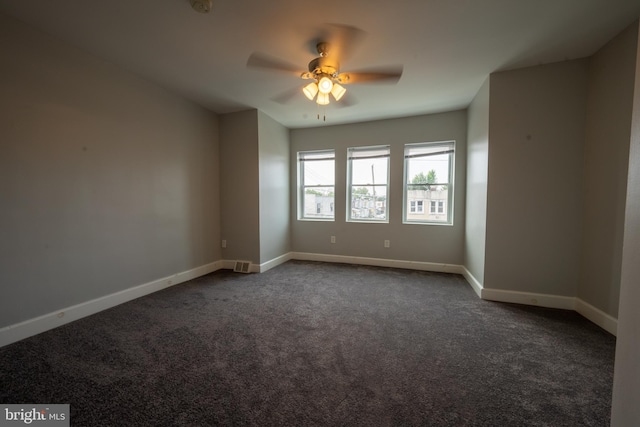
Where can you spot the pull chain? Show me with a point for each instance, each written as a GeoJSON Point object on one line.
{"type": "Point", "coordinates": [324, 114]}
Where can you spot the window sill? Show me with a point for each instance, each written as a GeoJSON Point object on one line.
{"type": "Point", "coordinates": [427, 223]}
{"type": "Point", "coordinates": [364, 221]}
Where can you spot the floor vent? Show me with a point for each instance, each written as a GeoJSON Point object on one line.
{"type": "Point", "coordinates": [242, 267]}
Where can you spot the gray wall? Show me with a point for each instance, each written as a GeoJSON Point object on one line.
{"type": "Point", "coordinates": [626, 383]}
{"type": "Point", "coordinates": [106, 180]}
{"type": "Point", "coordinates": [239, 180]}
{"type": "Point", "coordinates": [534, 210]}
{"type": "Point", "coordinates": [274, 188]}
{"type": "Point", "coordinates": [477, 175]}
{"type": "Point", "coordinates": [608, 129]}
{"type": "Point", "coordinates": [427, 243]}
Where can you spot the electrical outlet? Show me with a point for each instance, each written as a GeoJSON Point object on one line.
{"type": "Point", "coordinates": [387, 243]}
{"type": "Point", "coordinates": [224, 244]}
{"type": "Point", "coordinates": [333, 239]}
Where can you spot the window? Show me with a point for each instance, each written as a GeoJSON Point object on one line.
{"type": "Point", "coordinates": [316, 184]}
{"type": "Point", "coordinates": [428, 177]}
{"type": "Point", "coordinates": [417, 206]}
{"type": "Point", "coordinates": [436, 207]}
{"type": "Point", "coordinates": [368, 175]}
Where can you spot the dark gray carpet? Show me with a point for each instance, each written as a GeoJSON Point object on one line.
{"type": "Point", "coordinates": [317, 344]}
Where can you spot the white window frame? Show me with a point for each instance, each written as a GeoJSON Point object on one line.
{"type": "Point", "coordinates": [424, 150]}
{"type": "Point", "coordinates": [362, 154]}
{"type": "Point", "coordinates": [307, 157]}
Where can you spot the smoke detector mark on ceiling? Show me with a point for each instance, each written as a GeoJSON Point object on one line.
{"type": "Point", "coordinates": [202, 6]}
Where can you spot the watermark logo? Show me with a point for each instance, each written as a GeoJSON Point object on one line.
{"type": "Point", "coordinates": [40, 415]}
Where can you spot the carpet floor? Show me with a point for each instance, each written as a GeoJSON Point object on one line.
{"type": "Point", "coordinates": [319, 344]}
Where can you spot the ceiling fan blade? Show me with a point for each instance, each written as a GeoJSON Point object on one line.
{"type": "Point", "coordinates": [345, 40]}
{"type": "Point", "coordinates": [388, 75]}
{"type": "Point", "coordinates": [347, 100]}
{"type": "Point", "coordinates": [259, 60]}
{"type": "Point", "coordinates": [288, 95]}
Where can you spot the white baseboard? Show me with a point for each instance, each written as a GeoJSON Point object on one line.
{"type": "Point", "coordinates": [379, 262]}
{"type": "Point", "coordinates": [12, 333]}
{"type": "Point", "coordinates": [529, 298]}
{"type": "Point", "coordinates": [343, 259]}
{"type": "Point", "coordinates": [228, 265]}
{"type": "Point", "coordinates": [475, 284]}
{"type": "Point", "coordinates": [265, 266]}
{"type": "Point", "coordinates": [597, 316]}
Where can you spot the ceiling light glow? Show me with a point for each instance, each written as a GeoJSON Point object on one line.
{"type": "Point", "coordinates": [338, 91]}
{"type": "Point", "coordinates": [323, 98]}
{"type": "Point", "coordinates": [325, 85]}
{"type": "Point", "coordinates": [310, 90]}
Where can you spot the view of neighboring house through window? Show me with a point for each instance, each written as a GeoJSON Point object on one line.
{"type": "Point", "coordinates": [417, 206]}
{"type": "Point", "coordinates": [428, 191]}
{"type": "Point", "coordinates": [367, 189]}
{"type": "Point", "coordinates": [317, 184]}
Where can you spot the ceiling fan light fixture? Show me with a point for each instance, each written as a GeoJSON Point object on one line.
{"type": "Point", "coordinates": [310, 90]}
{"type": "Point", "coordinates": [323, 98]}
{"type": "Point", "coordinates": [338, 91]}
{"type": "Point", "coordinates": [325, 85]}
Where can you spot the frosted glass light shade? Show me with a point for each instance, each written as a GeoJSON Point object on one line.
{"type": "Point", "coordinates": [323, 98]}
{"type": "Point", "coordinates": [338, 91]}
{"type": "Point", "coordinates": [325, 85]}
{"type": "Point", "coordinates": [310, 90]}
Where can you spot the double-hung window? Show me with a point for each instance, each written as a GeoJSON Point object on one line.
{"type": "Point", "coordinates": [367, 191]}
{"type": "Point", "coordinates": [316, 182]}
{"type": "Point", "coordinates": [428, 177]}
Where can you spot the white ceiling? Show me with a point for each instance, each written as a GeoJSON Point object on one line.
{"type": "Point", "coordinates": [447, 47]}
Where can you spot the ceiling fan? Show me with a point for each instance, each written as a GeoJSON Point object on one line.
{"type": "Point", "coordinates": [325, 71]}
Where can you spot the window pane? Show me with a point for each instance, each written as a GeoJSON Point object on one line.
{"type": "Point", "coordinates": [317, 184]}
{"type": "Point", "coordinates": [369, 171]}
{"type": "Point", "coordinates": [429, 170]}
{"type": "Point", "coordinates": [428, 176]}
{"type": "Point", "coordinates": [319, 172]}
{"type": "Point", "coordinates": [368, 183]}
{"type": "Point", "coordinates": [369, 202]}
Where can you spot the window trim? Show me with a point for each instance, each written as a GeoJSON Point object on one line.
{"type": "Point", "coordinates": [352, 155]}
{"type": "Point", "coordinates": [439, 147]}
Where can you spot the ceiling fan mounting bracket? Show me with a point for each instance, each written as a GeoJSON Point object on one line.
{"type": "Point", "coordinates": [202, 6]}
{"type": "Point", "coordinates": [322, 65]}
{"type": "Point", "coordinates": [323, 48]}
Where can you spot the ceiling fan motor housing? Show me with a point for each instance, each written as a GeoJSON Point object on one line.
{"type": "Point", "coordinates": [324, 65]}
